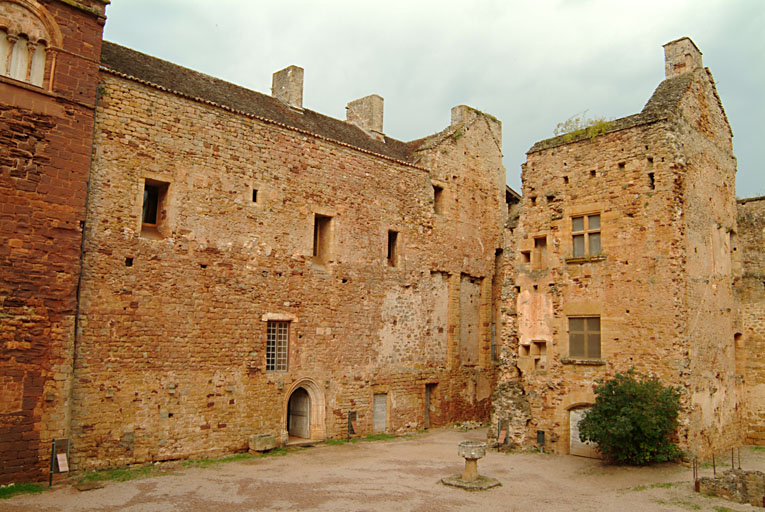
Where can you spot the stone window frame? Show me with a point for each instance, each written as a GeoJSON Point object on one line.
{"type": "Point", "coordinates": [587, 234]}
{"type": "Point", "coordinates": [277, 345]}
{"type": "Point", "coordinates": [589, 334]}
{"type": "Point", "coordinates": [160, 227]}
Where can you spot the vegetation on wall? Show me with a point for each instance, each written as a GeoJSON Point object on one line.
{"type": "Point", "coordinates": [579, 125]}
{"type": "Point", "coordinates": [632, 419]}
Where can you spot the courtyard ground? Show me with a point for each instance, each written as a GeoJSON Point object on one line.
{"type": "Point", "coordinates": [391, 475]}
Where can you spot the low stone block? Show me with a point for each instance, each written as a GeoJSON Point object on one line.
{"type": "Point", "coordinates": [262, 442]}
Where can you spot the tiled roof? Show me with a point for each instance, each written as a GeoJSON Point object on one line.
{"type": "Point", "coordinates": [663, 104]}
{"type": "Point", "coordinates": [198, 85]}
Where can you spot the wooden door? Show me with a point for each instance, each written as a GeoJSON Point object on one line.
{"type": "Point", "coordinates": [577, 447]}
{"type": "Point", "coordinates": [379, 413]}
{"type": "Point", "coordinates": [299, 414]}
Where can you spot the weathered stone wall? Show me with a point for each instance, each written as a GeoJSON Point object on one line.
{"type": "Point", "coordinates": [171, 358]}
{"type": "Point", "coordinates": [707, 173]}
{"type": "Point", "coordinates": [749, 290]}
{"type": "Point", "coordinates": [45, 147]}
{"type": "Point", "coordinates": [661, 183]}
{"type": "Point", "coordinates": [609, 176]}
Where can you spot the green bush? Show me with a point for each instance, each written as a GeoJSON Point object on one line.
{"type": "Point", "coordinates": [632, 420]}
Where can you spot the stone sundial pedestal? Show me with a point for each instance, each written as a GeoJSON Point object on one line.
{"type": "Point", "coordinates": [470, 479]}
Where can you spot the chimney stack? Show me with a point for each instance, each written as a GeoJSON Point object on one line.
{"type": "Point", "coordinates": [287, 86]}
{"type": "Point", "coordinates": [681, 56]}
{"type": "Point", "coordinates": [367, 114]}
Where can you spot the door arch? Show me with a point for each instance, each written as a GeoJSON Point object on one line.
{"type": "Point", "coordinates": [299, 414]}
{"type": "Point", "coordinates": [304, 396]}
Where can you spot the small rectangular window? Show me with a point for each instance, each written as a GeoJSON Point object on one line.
{"type": "Point", "coordinates": [277, 346]}
{"type": "Point", "coordinates": [438, 200]}
{"type": "Point", "coordinates": [254, 195]}
{"type": "Point", "coordinates": [322, 232]}
{"type": "Point", "coordinates": [584, 337]}
{"type": "Point", "coordinates": [154, 208]}
{"type": "Point", "coordinates": [392, 248]}
{"type": "Point", "coordinates": [585, 235]}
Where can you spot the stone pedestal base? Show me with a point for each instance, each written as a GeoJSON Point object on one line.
{"type": "Point", "coordinates": [481, 483]}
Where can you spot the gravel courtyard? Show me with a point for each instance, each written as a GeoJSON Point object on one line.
{"type": "Point", "coordinates": [390, 475]}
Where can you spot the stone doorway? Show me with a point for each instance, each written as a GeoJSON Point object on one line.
{"type": "Point", "coordinates": [577, 447]}
{"type": "Point", "coordinates": [304, 413]}
{"type": "Point", "coordinates": [299, 414]}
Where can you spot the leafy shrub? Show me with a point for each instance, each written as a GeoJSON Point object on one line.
{"type": "Point", "coordinates": [632, 419]}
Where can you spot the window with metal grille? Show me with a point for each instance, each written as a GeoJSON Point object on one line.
{"type": "Point", "coordinates": [584, 337]}
{"type": "Point", "coordinates": [585, 231]}
{"type": "Point", "coordinates": [277, 346]}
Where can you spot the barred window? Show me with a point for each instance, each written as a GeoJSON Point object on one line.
{"type": "Point", "coordinates": [277, 346]}
{"type": "Point", "coordinates": [585, 231]}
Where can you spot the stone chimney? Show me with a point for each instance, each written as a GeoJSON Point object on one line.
{"type": "Point", "coordinates": [367, 114]}
{"type": "Point", "coordinates": [287, 86]}
{"type": "Point", "coordinates": [681, 56]}
{"type": "Point", "coordinates": [463, 114]}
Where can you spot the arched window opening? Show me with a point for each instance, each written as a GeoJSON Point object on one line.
{"type": "Point", "coordinates": [28, 33]}
{"type": "Point", "coordinates": [22, 59]}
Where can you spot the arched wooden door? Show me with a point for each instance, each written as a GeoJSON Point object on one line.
{"type": "Point", "coordinates": [299, 414]}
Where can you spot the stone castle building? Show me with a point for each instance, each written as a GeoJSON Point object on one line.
{"type": "Point", "coordinates": [187, 263]}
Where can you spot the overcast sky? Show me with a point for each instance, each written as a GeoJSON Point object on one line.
{"type": "Point", "coordinates": [531, 63]}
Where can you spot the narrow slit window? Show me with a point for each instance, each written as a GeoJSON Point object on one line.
{"type": "Point", "coordinates": [254, 195]}
{"type": "Point", "coordinates": [392, 254]}
{"type": "Point", "coordinates": [438, 200]}
{"type": "Point", "coordinates": [322, 226]}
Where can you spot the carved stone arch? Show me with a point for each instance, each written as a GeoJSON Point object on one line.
{"type": "Point", "coordinates": [49, 31]}
{"type": "Point", "coordinates": [30, 40]}
{"type": "Point", "coordinates": [318, 411]}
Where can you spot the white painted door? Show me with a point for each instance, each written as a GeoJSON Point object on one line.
{"type": "Point", "coordinates": [577, 447]}
{"type": "Point", "coordinates": [299, 414]}
{"type": "Point", "coordinates": [380, 412]}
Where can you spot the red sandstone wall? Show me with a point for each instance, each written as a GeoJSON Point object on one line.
{"type": "Point", "coordinates": [171, 361]}
{"type": "Point", "coordinates": [45, 146]}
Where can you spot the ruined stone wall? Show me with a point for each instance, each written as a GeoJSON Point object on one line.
{"type": "Point", "coordinates": [651, 279]}
{"type": "Point", "coordinates": [45, 147]}
{"type": "Point", "coordinates": [635, 284]}
{"type": "Point", "coordinates": [171, 359]}
{"type": "Point", "coordinates": [749, 291]}
{"type": "Point", "coordinates": [707, 170]}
